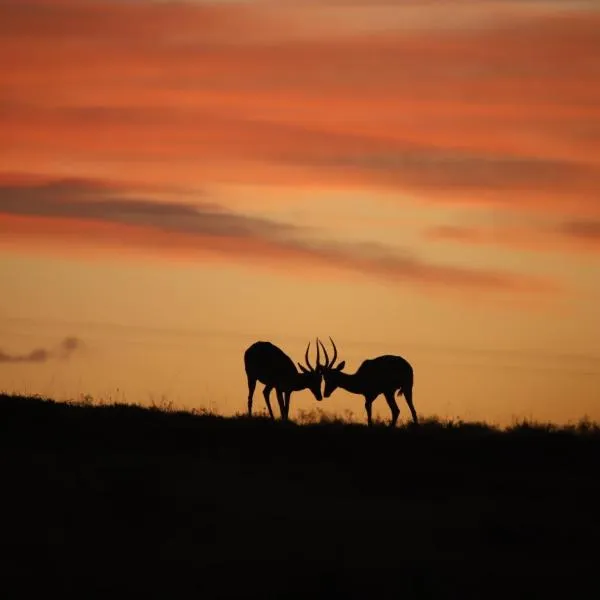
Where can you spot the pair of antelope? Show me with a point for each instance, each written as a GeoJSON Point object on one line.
{"type": "Point", "coordinates": [385, 375]}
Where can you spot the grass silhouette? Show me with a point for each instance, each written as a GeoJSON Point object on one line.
{"type": "Point", "coordinates": [113, 499]}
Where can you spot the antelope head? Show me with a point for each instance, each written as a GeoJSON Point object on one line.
{"type": "Point", "coordinates": [312, 375]}
{"type": "Point", "coordinates": [331, 373]}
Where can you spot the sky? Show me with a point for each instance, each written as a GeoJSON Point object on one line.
{"type": "Point", "coordinates": [420, 178]}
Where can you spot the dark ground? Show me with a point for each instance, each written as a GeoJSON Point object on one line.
{"type": "Point", "coordinates": [112, 501]}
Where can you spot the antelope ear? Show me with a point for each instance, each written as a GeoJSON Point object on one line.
{"type": "Point", "coordinates": [303, 369]}
{"type": "Point", "coordinates": [341, 366]}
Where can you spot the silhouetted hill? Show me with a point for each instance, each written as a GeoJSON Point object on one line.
{"type": "Point", "coordinates": [106, 501]}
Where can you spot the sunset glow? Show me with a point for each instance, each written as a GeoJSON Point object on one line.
{"type": "Point", "coordinates": [181, 179]}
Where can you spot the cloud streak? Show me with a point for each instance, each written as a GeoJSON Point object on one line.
{"type": "Point", "coordinates": [561, 235]}
{"type": "Point", "coordinates": [94, 213]}
{"type": "Point", "coordinates": [491, 104]}
{"type": "Point", "coordinates": [488, 110]}
{"type": "Point", "coordinates": [64, 351]}
{"type": "Point", "coordinates": [86, 200]}
{"type": "Point", "coordinates": [584, 230]}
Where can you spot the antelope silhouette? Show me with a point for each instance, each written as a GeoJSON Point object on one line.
{"type": "Point", "coordinates": [385, 375]}
{"type": "Point", "coordinates": [270, 365]}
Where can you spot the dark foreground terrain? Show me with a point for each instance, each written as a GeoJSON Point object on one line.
{"type": "Point", "coordinates": [123, 501]}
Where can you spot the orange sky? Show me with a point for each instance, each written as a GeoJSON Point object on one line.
{"type": "Point", "coordinates": [180, 179]}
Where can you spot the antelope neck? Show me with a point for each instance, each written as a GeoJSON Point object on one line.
{"type": "Point", "coordinates": [349, 382]}
{"type": "Point", "coordinates": [300, 382]}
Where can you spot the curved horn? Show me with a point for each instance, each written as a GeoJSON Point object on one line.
{"type": "Point", "coordinates": [306, 358]}
{"type": "Point", "coordinates": [334, 352]}
{"type": "Point", "coordinates": [326, 365]}
{"type": "Point", "coordinates": [318, 355]}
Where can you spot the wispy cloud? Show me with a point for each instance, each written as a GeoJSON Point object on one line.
{"type": "Point", "coordinates": [585, 230]}
{"type": "Point", "coordinates": [549, 234]}
{"type": "Point", "coordinates": [69, 209]}
{"type": "Point", "coordinates": [87, 200]}
{"type": "Point", "coordinates": [492, 102]}
{"type": "Point", "coordinates": [63, 351]}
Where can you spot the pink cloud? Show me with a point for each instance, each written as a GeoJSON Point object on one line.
{"type": "Point", "coordinates": [488, 113]}
{"type": "Point", "coordinates": [87, 214]}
